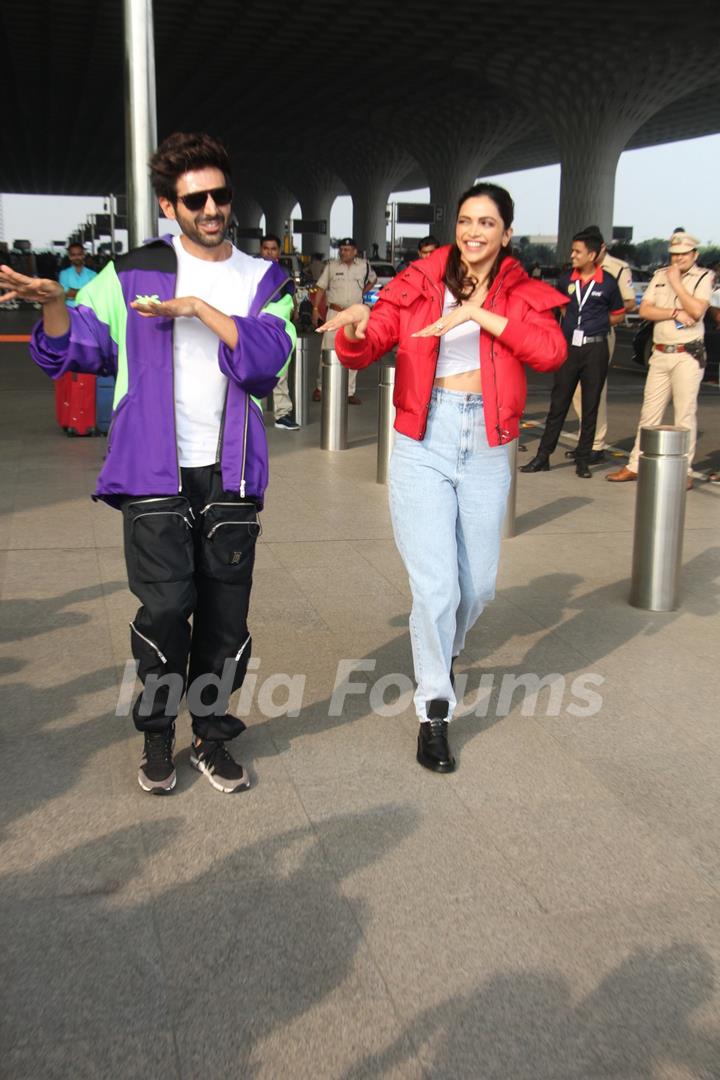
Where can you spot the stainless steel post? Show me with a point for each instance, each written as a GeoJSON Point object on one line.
{"type": "Point", "coordinates": [140, 118]}
{"type": "Point", "coordinates": [111, 208]}
{"type": "Point", "coordinates": [393, 218]}
{"type": "Point", "coordinates": [659, 518]}
{"type": "Point", "coordinates": [509, 528]}
{"type": "Point", "coordinates": [334, 418]}
{"type": "Point", "coordinates": [386, 419]}
{"type": "Point", "coordinates": [300, 380]}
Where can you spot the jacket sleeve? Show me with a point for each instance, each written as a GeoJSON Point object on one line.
{"type": "Point", "coordinates": [97, 326]}
{"type": "Point", "coordinates": [264, 346]}
{"type": "Point", "coordinates": [381, 336]}
{"type": "Point", "coordinates": [536, 340]}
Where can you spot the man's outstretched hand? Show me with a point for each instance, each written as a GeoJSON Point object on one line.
{"type": "Point", "coordinates": [34, 290]}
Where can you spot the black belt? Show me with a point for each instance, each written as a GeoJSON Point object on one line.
{"type": "Point", "coordinates": [590, 339]}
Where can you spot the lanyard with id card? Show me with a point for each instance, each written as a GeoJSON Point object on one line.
{"type": "Point", "coordinates": [578, 335]}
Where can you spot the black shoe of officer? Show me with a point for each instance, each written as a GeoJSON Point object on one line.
{"type": "Point", "coordinates": [536, 464]}
{"type": "Point", "coordinates": [595, 457]}
{"type": "Point", "coordinates": [581, 468]}
{"type": "Point", "coordinates": [433, 750]}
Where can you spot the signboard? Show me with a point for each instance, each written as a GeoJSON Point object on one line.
{"type": "Point", "coordinates": [120, 204]}
{"type": "Point", "coordinates": [415, 213]}
{"type": "Point", "coordinates": [247, 233]}
{"type": "Point", "coordinates": [300, 225]}
{"type": "Point", "coordinates": [622, 232]}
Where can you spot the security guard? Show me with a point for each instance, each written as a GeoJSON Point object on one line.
{"type": "Point", "coordinates": [622, 274]}
{"type": "Point", "coordinates": [676, 301]}
{"type": "Point", "coordinates": [595, 306]}
{"type": "Point", "coordinates": [345, 279]}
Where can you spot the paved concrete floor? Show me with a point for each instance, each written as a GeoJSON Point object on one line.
{"type": "Point", "coordinates": [550, 911]}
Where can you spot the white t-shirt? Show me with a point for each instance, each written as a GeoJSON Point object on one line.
{"type": "Point", "coordinates": [200, 386]}
{"type": "Point", "coordinates": [460, 347]}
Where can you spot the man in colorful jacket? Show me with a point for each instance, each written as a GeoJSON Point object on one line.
{"type": "Point", "coordinates": [195, 332]}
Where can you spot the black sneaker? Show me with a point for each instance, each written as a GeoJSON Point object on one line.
{"type": "Point", "coordinates": [287, 423]}
{"type": "Point", "coordinates": [212, 757]}
{"type": "Point", "coordinates": [157, 768]}
{"type": "Point", "coordinates": [433, 750]}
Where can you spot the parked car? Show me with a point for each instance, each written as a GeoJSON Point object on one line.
{"type": "Point", "coordinates": [385, 273]}
{"type": "Point", "coordinates": [640, 279]}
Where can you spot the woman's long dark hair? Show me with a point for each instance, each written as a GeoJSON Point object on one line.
{"type": "Point", "coordinates": [457, 277]}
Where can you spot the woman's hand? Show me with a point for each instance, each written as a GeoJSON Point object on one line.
{"type": "Point", "coordinates": [460, 315]}
{"type": "Point", "coordinates": [35, 290]}
{"type": "Point", "coordinates": [179, 308]}
{"type": "Point", "coordinates": [357, 316]}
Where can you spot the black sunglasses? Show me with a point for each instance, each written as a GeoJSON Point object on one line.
{"type": "Point", "coordinates": [221, 196]}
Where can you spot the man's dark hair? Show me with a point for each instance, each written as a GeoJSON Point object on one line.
{"type": "Point", "coordinates": [428, 240]}
{"type": "Point", "coordinates": [270, 237]}
{"type": "Point", "coordinates": [77, 244]}
{"type": "Point", "coordinates": [182, 152]}
{"type": "Point", "coordinates": [591, 238]}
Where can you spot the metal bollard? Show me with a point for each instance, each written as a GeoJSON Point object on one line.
{"type": "Point", "coordinates": [659, 518]}
{"type": "Point", "coordinates": [300, 381]}
{"type": "Point", "coordinates": [334, 418]}
{"type": "Point", "coordinates": [386, 419]}
{"type": "Point", "coordinates": [508, 527]}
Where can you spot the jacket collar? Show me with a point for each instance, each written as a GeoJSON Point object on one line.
{"type": "Point", "coordinates": [433, 268]}
{"type": "Point", "coordinates": [597, 276]}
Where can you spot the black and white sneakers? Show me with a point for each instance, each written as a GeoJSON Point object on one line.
{"type": "Point", "coordinates": [214, 760]}
{"type": "Point", "coordinates": [157, 768]}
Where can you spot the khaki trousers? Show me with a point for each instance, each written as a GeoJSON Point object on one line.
{"type": "Point", "coordinates": [282, 402]}
{"type": "Point", "coordinates": [601, 425]}
{"type": "Point", "coordinates": [328, 342]}
{"type": "Point", "coordinates": [675, 376]}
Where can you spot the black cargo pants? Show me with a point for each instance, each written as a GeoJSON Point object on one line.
{"type": "Point", "coordinates": [190, 555]}
{"type": "Point", "coordinates": [588, 365]}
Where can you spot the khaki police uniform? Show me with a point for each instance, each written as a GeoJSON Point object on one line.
{"type": "Point", "coordinates": [621, 272]}
{"type": "Point", "coordinates": [672, 372]}
{"type": "Point", "coordinates": [344, 285]}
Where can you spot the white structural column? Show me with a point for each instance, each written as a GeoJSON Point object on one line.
{"type": "Point", "coordinates": [247, 211]}
{"type": "Point", "coordinates": [140, 118]}
{"type": "Point", "coordinates": [458, 141]}
{"type": "Point", "coordinates": [371, 174]}
{"type": "Point", "coordinates": [369, 221]}
{"type": "Point", "coordinates": [591, 131]}
{"type": "Point", "coordinates": [590, 152]}
{"type": "Point", "coordinates": [317, 187]}
{"type": "Point", "coordinates": [277, 201]}
{"type": "Point", "coordinates": [316, 206]}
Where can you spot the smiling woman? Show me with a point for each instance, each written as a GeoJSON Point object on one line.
{"type": "Point", "coordinates": [465, 320]}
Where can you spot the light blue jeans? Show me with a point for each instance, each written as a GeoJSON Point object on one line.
{"type": "Point", "coordinates": [447, 502]}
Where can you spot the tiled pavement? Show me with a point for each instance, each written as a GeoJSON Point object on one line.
{"type": "Point", "coordinates": [550, 911]}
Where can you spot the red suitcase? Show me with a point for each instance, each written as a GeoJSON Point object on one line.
{"type": "Point", "coordinates": [75, 403]}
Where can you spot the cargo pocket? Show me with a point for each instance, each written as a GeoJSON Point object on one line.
{"type": "Point", "coordinates": [159, 539]}
{"type": "Point", "coordinates": [227, 550]}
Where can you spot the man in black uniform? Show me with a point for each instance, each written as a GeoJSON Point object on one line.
{"type": "Point", "coordinates": [595, 306]}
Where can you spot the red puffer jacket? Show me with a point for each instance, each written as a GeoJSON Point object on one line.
{"type": "Point", "coordinates": [414, 299]}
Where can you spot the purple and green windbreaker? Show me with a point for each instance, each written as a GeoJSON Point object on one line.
{"type": "Point", "coordinates": [107, 337]}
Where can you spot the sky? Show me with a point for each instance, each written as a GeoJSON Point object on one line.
{"type": "Point", "coordinates": [656, 189]}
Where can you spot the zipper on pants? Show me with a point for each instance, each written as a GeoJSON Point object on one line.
{"type": "Point", "coordinates": [147, 641]}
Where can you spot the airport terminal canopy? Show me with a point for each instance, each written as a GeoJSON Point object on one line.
{"type": "Point", "coordinates": [337, 97]}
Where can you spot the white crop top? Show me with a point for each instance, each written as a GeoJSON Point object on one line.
{"type": "Point", "coordinates": [459, 348]}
